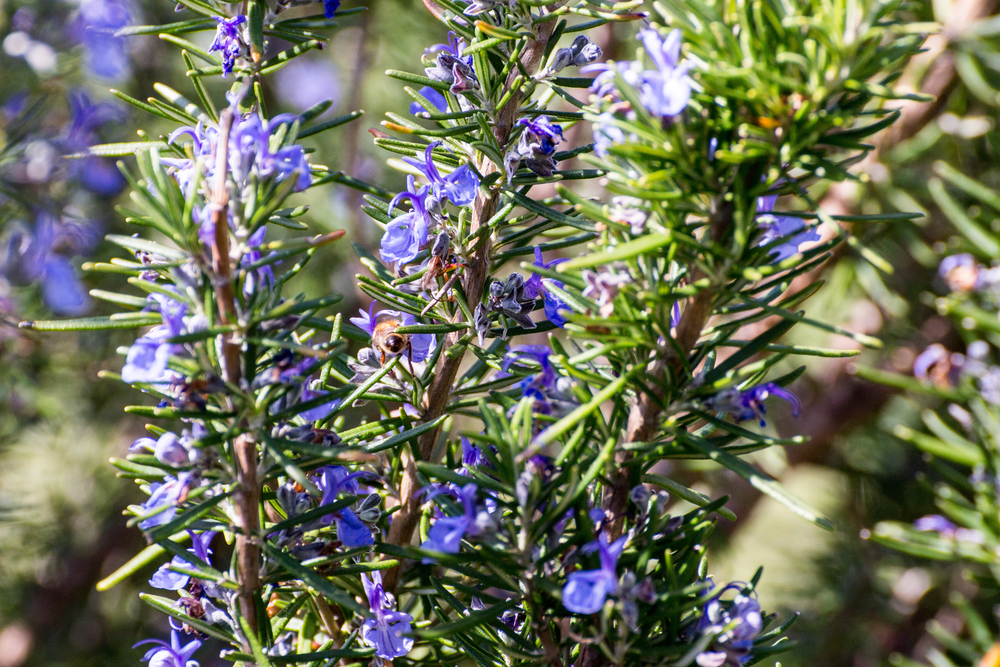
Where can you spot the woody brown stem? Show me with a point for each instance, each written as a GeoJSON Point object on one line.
{"type": "Point", "coordinates": [404, 522]}
{"type": "Point", "coordinates": [244, 446]}
{"type": "Point", "coordinates": [644, 416]}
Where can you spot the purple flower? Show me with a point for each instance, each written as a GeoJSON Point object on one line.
{"type": "Point", "coordinates": [962, 273]}
{"type": "Point", "coordinates": [603, 288]}
{"type": "Point", "coordinates": [581, 52]}
{"type": "Point", "coordinates": [351, 531]}
{"type": "Point", "coordinates": [665, 91]}
{"type": "Point", "coordinates": [385, 628]}
{"type": "Point", "coordinates": [535, 286]}
{"type": "Point", "coordinates": [39, 256]}
{"type": "Point", "coordinates": [165, 497]}
{"type": "Point", "coordinates": [148, 357]}
{"type": "Point", "coordinates": [228, 41]}
{"type": "Point", "coordinates": [749, 404]}
{"type": "Point", "coordinates": [432, 95]}
{"type": "Point", "coordinates": [936, 523]}
{"type": "Point", "coordinates": [947, 530]}
{"type": "Point", "coordinates": [938, 365]}
{"type": "Point", "coordinates": [330, 7]}
{"type": "Point", "coordinates": [606, 134]}
{"type": "Point", "coordinates": [786, 228]}
{"type": "Point", "coordinates": [551, 392]}
{"type": "Point", "coordinates": [99, 175]}
{"type": "Point", "coordinates": [105, 55]}
{"type": "Point", "coordinates": [172, 654]}
{"type": "Point", "coordinates": [460, 186]}
{"type": "Point", "coordinates": [262, 276]}
{"type": "Point", "coordinates": [585, 592]}
{"type": "Point", "coordinates": [407, 233]}
{"type": "Point", "coordinates": [734, 627]}
{"type": "Point", "coordinates": [320, 411]}
{"type": "Point", "coordinates": [167, 579]}
{"type": "Point", "coordinates": [421, 345]}
{"type": "Point", "coordinates": [447, 532]}
{"type": "Point", "coordinates": [305, 82]}
{"type": "Point", "coordinates": [535, 147]}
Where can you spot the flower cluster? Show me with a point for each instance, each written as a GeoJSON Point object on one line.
{"type": "Point", "coordinates": [733, 627]}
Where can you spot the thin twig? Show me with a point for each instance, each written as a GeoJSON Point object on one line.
{"type": "Point", "coordinates": [244, 446]}
{"type": "Point", "coordinates": [438, 395]}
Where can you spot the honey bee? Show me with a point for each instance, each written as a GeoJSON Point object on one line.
{"type": "Point", "coordinates": [387, 341]}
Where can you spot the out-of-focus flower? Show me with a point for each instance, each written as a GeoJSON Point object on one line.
{"type": "Point", "coordinates": [385, 629]}
{"type": "Point", "coordinates": [43, 255]}
{"type": "Point", "coordinates": [665, 91]}
{"type": "Point", "coordinates": [962, 272]}
{"type": "Point", "coordinates": [99, 175]}
{"type": "Point", "coordinates": [432, 95]}
{"type": "Point", "coordinates": [305, 82]}
{"type": "Point", "coordinates": [106, 56]}
{"type": "Point", "coordinates": [946, 529]}
{"type": "Point", "coordinates": [603, 287]}
{"type": "Point", "coordinates": [586, 591]}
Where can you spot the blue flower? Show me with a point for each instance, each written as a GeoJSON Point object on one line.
{"type": "Point", "coordinates": [472, 457]}
{"type": "Point", "coordinates": [551, 392]}
{"type": "Point", "coordinates": [330, 7]}
{"type": "Point", "coordinates": [163, 500]}
{"type": "Point", "coordinates": [105, 55]}
{"type": "Point", "coordinates": [406, 234]}
{"type": "Point", "coordinates": [535, 286]}
{"type": "Point", "coordinates": [606, 134]}
{"type": "Point", "coordinates": [734, 627]}
{"type": "Point", "coordinates": [99, 175]}
{"type": "Point", "coordinates": [318, 412]}
{"type": "Point", "coordinates": [535, 147]}
{"type": "Point", "coordinates": [39, 256]}
{"type": "Point", "coordinates": [172, 654]}
{"type": "Point", "coordinates": [228, 41]}
{"type": "Point", "coordinates": [262, 276]}
{"type": "Point", "coordinates": [351, 531]}
{"type": "Point", "coordinates": [460, 186]}
{"type": "Point", "coordinates": [148, 357]}
{"type": "Point", "coordinates": [784, 228]}
{"type": "Point", "coordinates": [665, 91]}
{"type": "Point", "coordinates": [585, 592]}
{"type": "Point", "coordinates": [749, 404]}
{"type": "Point", "coordinates": [167, 579]}
{"type": "Point", "coordinates": [447, 532]}
{"type": "Point", "coordinates": [421, 345]}
{"type": "Point", "coordinates": [432, 95]}
{"type": "Point", "coordinates": [385, 629]}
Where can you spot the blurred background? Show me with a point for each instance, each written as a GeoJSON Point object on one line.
{"type": "Point", "coordinates": [61, 524]}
